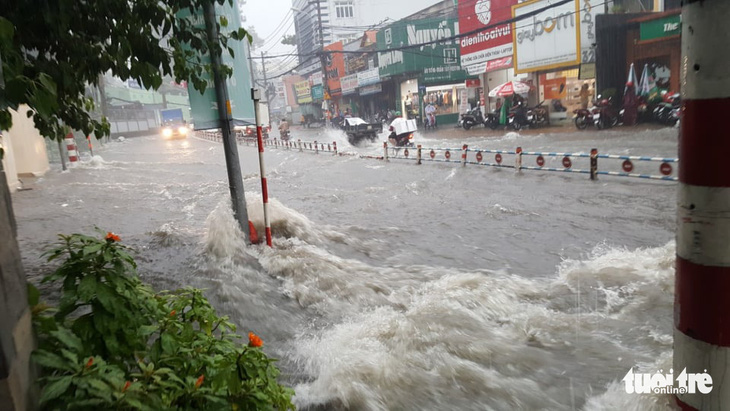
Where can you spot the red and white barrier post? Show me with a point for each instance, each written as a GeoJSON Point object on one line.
{"type": "Point", "coordinates": [385, 151]}
{"type": "Point", "coordinates": [518, 160]}
{"type": "Point", "coordinates": [91, 149]}
{"type": "Point", "coordinates": [463, 155]}
{"type": "Point", "coordinates": [264, 185]}
{"type": "Point", "coordinates": [299, 143]}
{"type": "Point", "coordinates": [418, 155]}
{"type": "Point", "coordinates": [702, 282]}
{"type": "Point", "coordinates": [594, 163]}
{"type": "Point", "coordinates": [334, 144]}
{"type": "Point", "coordinates": [316, 148]}
{"type": "Point", "coordinates": [73, 153]}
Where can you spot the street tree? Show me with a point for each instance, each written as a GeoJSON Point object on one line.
{"type": "Point", "coordinates": [289, 40]}
{"type": "Point", "coordinates": [51, 51]}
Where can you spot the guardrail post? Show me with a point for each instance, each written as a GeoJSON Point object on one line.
{"type": "Point", "coordinates": [594, 163]}
{"type": "Point", "coordinates": [334, 145]}
{"type": "Point", "coordinates": [418, 157]}
{"type": "Point", "coordinates": [518, 160]}
{"type": "Point", "coordinates": [316, 147]}
{"type": "Point", "coordinates": [464, 149]}
{"type": "Point", "coordinates": [702, 274]}
{"type": "Point", "coordinates": [385, 151]}
{"type": "Point", "coordinates": [299, 143]}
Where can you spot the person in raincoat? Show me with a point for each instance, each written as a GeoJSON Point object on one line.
{"type": "Point", "coordinates": [631, 105]}
{"type": "Point", "coordinates": [504, 111]}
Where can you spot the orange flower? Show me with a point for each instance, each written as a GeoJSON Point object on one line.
{"type": "Point", "coordinates": [254, 340]}
{"type": "Point", "coordinates": [172, 313]}
{"type": "Point", "coordinates": [199, 381]}
{"type": "Point", "coordinates": [126, 385]}
{"type": "Point", "coordinates": [89, 363]}
{"type": "Point", "coordinates": [111, 237]}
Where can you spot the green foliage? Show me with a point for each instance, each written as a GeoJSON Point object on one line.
{"type": "Point", "coordinates": [51, 51]}
{"type": "Point", "coordinates": [289, 40]}
{"type": "Point", "coordinates": [113, 343]}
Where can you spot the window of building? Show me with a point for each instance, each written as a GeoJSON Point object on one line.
{"type": "Point", "coordinates": [344, 9]}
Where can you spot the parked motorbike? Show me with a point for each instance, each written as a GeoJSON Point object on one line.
{"type": "Point", "coordinates": [538, 115]}
{"type": "Point", "coordinates": [667, 112]}
{"type": "Point", "coordinates": [471, 118]}
{"type": "Point", "coordinates": [284, 135]}
{"type": "Point", "coordinates": [602, 115]}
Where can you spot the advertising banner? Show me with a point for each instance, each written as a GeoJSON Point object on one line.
{"type": "Point", "coordinates": [204, 107]}
{"type": "Point", "coordinates": [368, 77]}
{"type": "Point", "coordinates": [335, 68]}
{"type": "Point", "coordinates": [371, 89]}
{"type": "Point", "coordinates": [546, 40]}
{"type": "Point", "coordinates": [315, 79]}
{"type": "Point", "coordinates": [303, 92]}
{"type": "Point", "coordinates": [555, 88]}
{"type": "Point", "coordinates": [349, 84]}
{"type": "Point", "coordinates": [485, 39]}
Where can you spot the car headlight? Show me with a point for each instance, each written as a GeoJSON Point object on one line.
{"type": "Point", "coordinates": [166, 132]}
{"type": "Point", "coordinates": [183, 130]}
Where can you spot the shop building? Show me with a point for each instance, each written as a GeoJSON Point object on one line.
{"type": "Point", "coordinates": [651, 39]}
{"type": "Point", "coordinates": [426, 74]}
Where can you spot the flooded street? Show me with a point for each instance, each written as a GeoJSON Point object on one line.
{"type": "Point", "coordinates": [403, 286]}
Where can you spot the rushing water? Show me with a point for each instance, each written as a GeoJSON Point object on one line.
{"type": "Point", "coordinates": [397, 286]}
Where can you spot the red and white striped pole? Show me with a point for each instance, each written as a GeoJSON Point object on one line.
{"type": "Point", "coordinates": [463, 155]}
{"type": "Point", "coordinates": [73, 153]}
{"type": "Point", "coordinates": [264, 186]}
{"type": "Point", "coordinates": [334, 144]}
{"type": "Point", "coordinates": [91, 149]}
{"type": "Point", "coordinates": [702, 282]}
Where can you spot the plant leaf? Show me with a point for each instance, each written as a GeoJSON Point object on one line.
{"type": "Point", "coordinates": [55, 389]}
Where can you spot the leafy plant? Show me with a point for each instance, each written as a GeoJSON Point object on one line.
{"type": "Point", "coordinates": [113, 342]}
{"type": "Point", "coordinates": [51, 51]}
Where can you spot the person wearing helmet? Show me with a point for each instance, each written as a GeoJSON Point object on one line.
{"type": "Point", "coordinates": [584, 96]}
{"type": "Point", "coordinates": [631, 105]}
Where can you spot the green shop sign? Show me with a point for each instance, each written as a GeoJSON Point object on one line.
{"type": "Point", "coordinates": [664, 27]}
{"type": "Point", "coordinates": [317, 92]}
{"type": "Point", "coordinates": [437, 62]}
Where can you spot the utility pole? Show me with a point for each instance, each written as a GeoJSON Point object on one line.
{"type": "Point", "coordinates": [230, 149]}
{"type": "Point", "coordinates": [266, 88]}
{"type": "Point", "coordinates": [322, 56]}
{"type": "Point", "coordinates": [702, 276]}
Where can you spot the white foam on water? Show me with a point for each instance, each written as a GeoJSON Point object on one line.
{"type": "Point", "coordinates": [423, 337]}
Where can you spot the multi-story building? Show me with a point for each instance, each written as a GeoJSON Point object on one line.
{"type": "Point", "coordinates": [340, 20]}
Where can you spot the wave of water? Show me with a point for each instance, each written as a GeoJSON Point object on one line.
{"type": "Point", "coordinates": [362, 336]}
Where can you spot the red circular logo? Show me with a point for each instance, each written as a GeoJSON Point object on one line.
{"type": "Point", "coordinates": [665, 169]}
{"type": "Point", "coordinates": [405, 152]}
{"type": "Point", "coordinates": [432, 154]}
{"type": "Point", "coordinates": [540, 161]}
{"type": "Point", "coordinates": [498, 158]}
{"type": "Point", "coordinates": [447, 154]}
{"type": "Point", "coordinates": [627, 166]}
{"type": "Point", "coordinates": [479, 156]}
{"type": "Point", "coordinates": [566, 162]}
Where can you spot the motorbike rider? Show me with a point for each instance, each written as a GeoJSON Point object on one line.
{"type": "Point", "coordinates": [519, 109]}
{"type": "Point", "coordinates": [430, 114]}
{"type": "Point", "coordinates": [284, 129]}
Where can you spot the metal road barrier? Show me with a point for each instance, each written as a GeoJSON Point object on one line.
{"type": "Point", "coordinates": [515, 159]}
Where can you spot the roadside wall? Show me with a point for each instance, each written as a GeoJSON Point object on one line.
{"type": "Point", "coordinates": [16, 337]}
